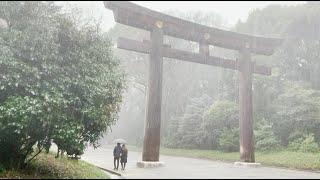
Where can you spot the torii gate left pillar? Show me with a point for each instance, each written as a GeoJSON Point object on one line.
{"type": "Point", "coordinates": [151, 143]}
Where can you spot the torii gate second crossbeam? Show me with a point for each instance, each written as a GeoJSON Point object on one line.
{"type": "Point", "coordinates": [159, 25]}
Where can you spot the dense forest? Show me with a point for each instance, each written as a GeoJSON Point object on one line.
{"type": "Point", "coordinates": [200, 103]}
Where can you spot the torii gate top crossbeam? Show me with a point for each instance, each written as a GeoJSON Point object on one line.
{"type": "Point", "coordinates": [133, 15]}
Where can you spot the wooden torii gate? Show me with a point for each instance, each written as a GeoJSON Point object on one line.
{"type": "Point", "coordinates": [161, 24]}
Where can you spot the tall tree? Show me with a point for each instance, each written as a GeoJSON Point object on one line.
{"type": "Point", "coordinates": [58, 81]}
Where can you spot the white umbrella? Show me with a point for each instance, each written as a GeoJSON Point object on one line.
{"type": "Point", "coordinates": [121, 141]}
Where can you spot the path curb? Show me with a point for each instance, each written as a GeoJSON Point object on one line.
{"type": "Point", "coordinates": [110, 171]}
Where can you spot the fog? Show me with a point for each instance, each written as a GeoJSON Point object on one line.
{"type": "Point", "coordinates": [200, 102]}
{"type": "Point", "coordinates": [214, 80]}
{"type": "Point", "coordinates": [230, 11]}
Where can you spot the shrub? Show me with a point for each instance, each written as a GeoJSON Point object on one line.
{"type": "Point", "coordinates": [229, 140]}
{"type": "Point", "coordinates": [304, 144]}
{"type": "Point", "coordinates": [309, 144]}
{"type": "Point", "coordinates": [222, 117]}
{"type": "Point", "coordinates": [187, 131]}
{"type": "Point", "coordinates": [295, 144]}
{"type": "Point", "coordinates": [268, 144]}
{"type": "Point", "coordinates": [265, 140]}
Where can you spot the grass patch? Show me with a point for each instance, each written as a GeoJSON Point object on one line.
{"type": "Point", "coordinates": [45, 166]}
{"type": "Point", "coordinates": [283, 158]}
{"type": "Point", "coordinates": [289, 159]}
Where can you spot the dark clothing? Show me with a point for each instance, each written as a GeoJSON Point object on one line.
{"type": "Point", "coordinates": [124, 159]}
{"type": "Point", "coordinates": [124, 155]}
{"type": "Point", "coordinates": [116, 163]}
{"type": "Point", "coordinates": [124, 152]}
{"type": "Point", "coordinates": [117, 151]}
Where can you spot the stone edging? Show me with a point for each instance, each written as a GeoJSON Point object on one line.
{"type": "Point", "coordinates": [110, 171]}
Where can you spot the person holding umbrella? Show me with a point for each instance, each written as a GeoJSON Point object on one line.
{"type": "Point", "coordinates": [116, 156]}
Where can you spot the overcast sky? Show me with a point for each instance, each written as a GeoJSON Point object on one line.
{"type": "Point", "coordinates": [231, 11]}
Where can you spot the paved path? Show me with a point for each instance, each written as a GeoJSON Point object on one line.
{"type": "Point", "coordinates": [179, 167]}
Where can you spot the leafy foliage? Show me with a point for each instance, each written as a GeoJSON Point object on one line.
{"type": "Point", "coordinates": [296, 110]}
{"type": "Point", "coordinates": [289, 99]}
{"type": "Point", "coordinates": [58, 82]}
{"type": "Point", "coordinates": [189, 130]}
{"type": "Point", "coordinates": [304, 144]}
{"type": "Point", "coordinates": [229, 140]}
{"type": "Point", "coordinates": [222, 116]}
{"type": "Point", "coordinates": [265, 138]}
{"type": "Point", "coordinates": [205, 128]}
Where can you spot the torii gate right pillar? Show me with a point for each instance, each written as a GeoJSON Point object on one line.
{"type": "Point", "coordinates": [245, 104]}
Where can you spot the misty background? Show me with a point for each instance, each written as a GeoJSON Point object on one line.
{"type": "Point", "coordinates": [200, 103]}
